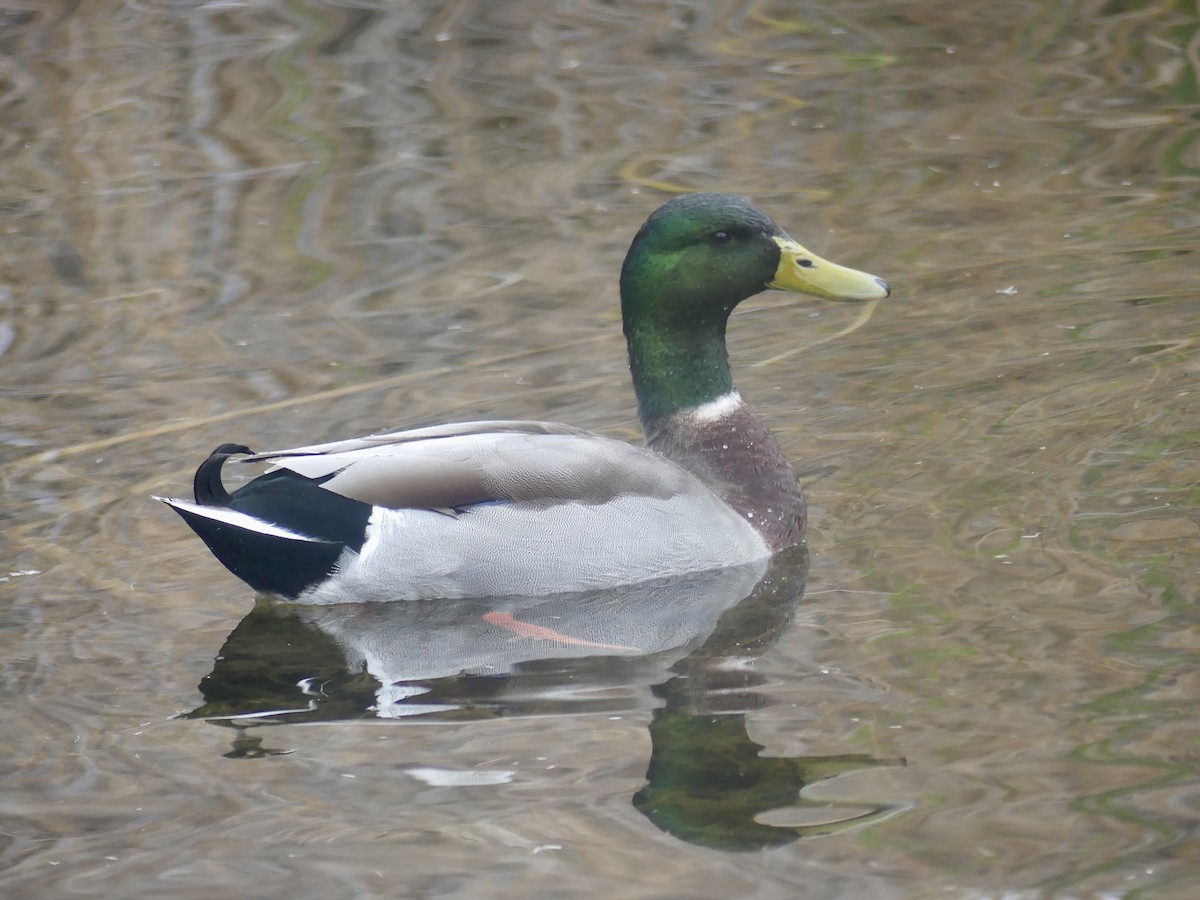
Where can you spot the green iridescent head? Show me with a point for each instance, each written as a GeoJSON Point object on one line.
{"type": "Point", "coordinates": [695, 259]}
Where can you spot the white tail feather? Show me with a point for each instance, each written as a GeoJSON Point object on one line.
{"type": "Point", "coordinates": [236, 519]}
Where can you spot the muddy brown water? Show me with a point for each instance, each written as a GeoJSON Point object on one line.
{"type": "Point", "coordinates": [282, 222]}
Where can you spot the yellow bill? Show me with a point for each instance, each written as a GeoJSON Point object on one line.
{"type": "Point", "coordinates": [806, 273]}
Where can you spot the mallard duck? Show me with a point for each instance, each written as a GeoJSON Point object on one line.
{"type": "Point", "coordinates": [481, 509]}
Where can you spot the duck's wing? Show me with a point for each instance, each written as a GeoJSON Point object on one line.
{"type": "Point", "coordinates": [449, 467]}
{"type": "Point", "coordinates": [431, 432]}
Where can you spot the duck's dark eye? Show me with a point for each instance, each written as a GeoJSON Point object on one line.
{"type": "Point", "coordinates": [804, 263]}
{"type": "Point", "coordinates": [720, 237]}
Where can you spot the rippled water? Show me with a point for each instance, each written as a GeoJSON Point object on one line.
{"type": "Point", "coordinates": [279, 222]}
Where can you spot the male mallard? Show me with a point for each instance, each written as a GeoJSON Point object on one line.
{"type": "Point", "coordinates": [487, 508]}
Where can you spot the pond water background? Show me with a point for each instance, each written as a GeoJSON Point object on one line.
{"type": "Point", "coordinates": [279, 222]}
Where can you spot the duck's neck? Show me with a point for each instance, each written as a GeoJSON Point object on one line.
{"type": "Point", "coordinates": [679, 371]}
{"type": "Point", "coordinates": [692, 414]}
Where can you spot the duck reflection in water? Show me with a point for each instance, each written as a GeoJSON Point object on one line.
{"type": "Point", "coordinates": [668, 645]}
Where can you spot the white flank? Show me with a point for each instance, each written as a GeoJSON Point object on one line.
{"type": "Point", "coordinates": [717, 409]}
{"type": "Point", "coordinates": [236, 519]}
{"type": "Point", "coordinates": [371, 538]}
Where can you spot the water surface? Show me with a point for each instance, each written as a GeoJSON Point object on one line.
{"type": "Point", "coordinates": [277, 223]}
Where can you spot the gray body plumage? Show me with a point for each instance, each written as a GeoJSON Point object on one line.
{"type": "Point", "coordinates": [485, 508]}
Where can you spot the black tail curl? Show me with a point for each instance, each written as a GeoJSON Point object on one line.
{"type": "Point", "coordinates": [207, 485]}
